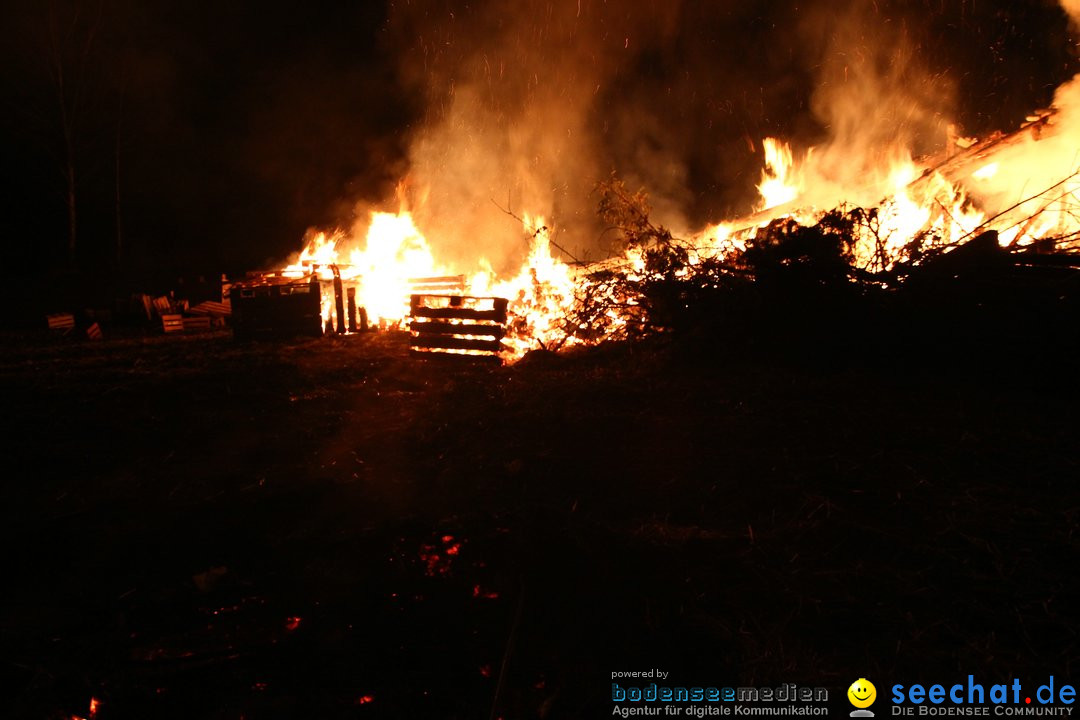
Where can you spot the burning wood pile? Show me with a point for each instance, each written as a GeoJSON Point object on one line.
{"type": "Point", "coordinates": [998, 198]}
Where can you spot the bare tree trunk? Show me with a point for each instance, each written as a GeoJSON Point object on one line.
{"type": "Point", "coordinates": [119, 216]}
{"type": "Point", "coordinates": [69, 172]}
{"type": "Point", "coordinates": [76, 40]}
{"type": "Point", "coordinates": [72, 220]}
{"type": "Point", "coordinates": [68, 129]}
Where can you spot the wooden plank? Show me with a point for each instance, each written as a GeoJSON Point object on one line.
{"type": "Point", "coordinates": [446, 284]}
{"type": "Point", "coordinates": [197, 323]}
{"type": "Point", "coordinates": [447, 328]}
{"type": "Point", "coordinates": [441, 342]}
{"type": "Point", "coordinates": [209, 307]}
{"type": "Point", "coordinates": [148, 306]}
{"type": "Point", "coordinates": [458, 314]}
{"type": "Point", "coordinates": [458, 307]}
{"type": "Point", "coordinates": [450, 356]}
{"type": "Point", "coordinates": [350, 301]}
{"type": "Point", "coordinates": [440, 289]}
{"type": "Point", "coordinates": [441, 300]}
{"type": "Point", "coordinates": [440, 280]}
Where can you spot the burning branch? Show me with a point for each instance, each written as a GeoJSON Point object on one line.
{"type": "Point", "coordinates": [550, 239]}
{"type": "Point", "coordinates": [986, 224]}
{"type": "Point", "coordinates": [629, 213]}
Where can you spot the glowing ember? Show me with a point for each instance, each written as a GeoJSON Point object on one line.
{"type": "Point", "coordinates": [438, 560]}
{"type": "Point", "coordinates": [95, 706]}
{"type": "Point", "coordinates": [482, 594]}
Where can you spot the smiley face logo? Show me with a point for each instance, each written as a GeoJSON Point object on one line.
{"type": "Point", "coordinates": [862, 693]}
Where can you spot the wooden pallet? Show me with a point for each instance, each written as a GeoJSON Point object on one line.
{"type": "Point", "coordinates": [457, 325]}
{"type": "Point", "coordinates": [61, 321]}
{"type": "Point", "coordinates": [172, 323]}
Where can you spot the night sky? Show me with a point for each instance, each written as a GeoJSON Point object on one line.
{"type": "Point", "coordinates": [240, 125]}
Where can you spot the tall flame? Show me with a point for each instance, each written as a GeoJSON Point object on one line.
{"type": "Point", "coordinates": [776, 187]}
{"type": "Point", "coordinates": [393, 252]}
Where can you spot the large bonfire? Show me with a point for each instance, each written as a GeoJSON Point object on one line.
{"type": "Point", "coordinates": [1022, 185]}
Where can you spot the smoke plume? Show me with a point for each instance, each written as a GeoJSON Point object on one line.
{"type": "Point", "coordinates": [513, 123]}
{"type": "Point", "coordinates": [526, 108]}
{"type": "Point", "coordinates": [878, 103]}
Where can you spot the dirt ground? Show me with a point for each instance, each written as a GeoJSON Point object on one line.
{"type": "Point", "coordinates": [331, 528]}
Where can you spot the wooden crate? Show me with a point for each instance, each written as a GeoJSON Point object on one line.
{"type": "Point", "coordinates": [172, 323]}
{"type": "Point", "coordinates": [268, 305]}
{"type": "Point", "coordinates": [457, 325]}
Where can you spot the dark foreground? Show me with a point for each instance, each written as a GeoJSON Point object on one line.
{"type": "Point", "coordinates": [199, 529]}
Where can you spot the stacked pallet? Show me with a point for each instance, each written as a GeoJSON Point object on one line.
{"type": "Point", "coordinates": [457, 325]}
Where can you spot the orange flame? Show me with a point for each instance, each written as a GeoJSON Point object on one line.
{"type": "Point", "coordinates": [776, 187]}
